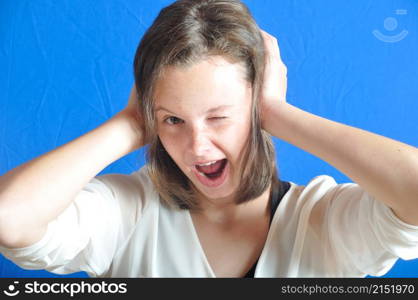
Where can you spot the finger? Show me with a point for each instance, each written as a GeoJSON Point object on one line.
{"type": "Point", "coordinates": [271, 44]}
{"type": "Point", "coordinates": [275, 47]}
{"type": "Point", "coordinates": [268, 40]}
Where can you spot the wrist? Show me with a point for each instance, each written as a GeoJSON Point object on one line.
{"type": "Point", "coordinates": [128, 130]}
{"type": "Point", "coordinates": [274, 116]}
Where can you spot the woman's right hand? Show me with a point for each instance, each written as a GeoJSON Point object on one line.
{"type": "Point", "coordinates": [133, 114]}
{"type": "Point", "coordinates": [133, 104]}
{"type": "Point", "coordinates": [27, 191]}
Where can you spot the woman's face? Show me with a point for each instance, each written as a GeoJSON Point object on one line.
{"type": "Point", "coordinates": [203, 115]}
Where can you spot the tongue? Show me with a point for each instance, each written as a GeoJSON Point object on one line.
{"type": "Point", "coordinates": [212, 168]}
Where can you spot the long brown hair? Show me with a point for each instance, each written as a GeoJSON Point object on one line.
{"type": "Point", "coordinates": [182, 34]}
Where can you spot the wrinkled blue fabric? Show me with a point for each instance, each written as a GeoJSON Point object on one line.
{"type": "Point", "coordinates": [66, 67]}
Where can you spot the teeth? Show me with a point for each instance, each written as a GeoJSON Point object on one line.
{"type": "Point", "coordinates": [208, 164]}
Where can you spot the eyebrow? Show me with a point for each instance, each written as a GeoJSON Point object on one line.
{"type": "Point", "coordinates": [211, 110]}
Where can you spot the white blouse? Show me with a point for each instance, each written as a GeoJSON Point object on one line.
{"type": "Point", "coordinates": [117, 227]}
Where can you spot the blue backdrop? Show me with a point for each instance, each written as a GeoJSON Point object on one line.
{"type": "Point", "coordinates": [66, 67]}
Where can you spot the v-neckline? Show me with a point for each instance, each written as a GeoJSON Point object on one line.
{"type": "Point", "coordinates": [203, 254]}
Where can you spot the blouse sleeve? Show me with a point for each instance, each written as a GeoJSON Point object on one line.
{"type": "Point", "coordinates": [87, 234]}
{"type": "Point", "coordinates": [361, 232]}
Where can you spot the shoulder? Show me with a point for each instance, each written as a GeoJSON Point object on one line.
{"type": "Point", "coordinates": [133, 192]}
{"type": "Point", "coordinates": [125, 185]}
{"type": "Point", "coordinates": [306, 204]}
{"type": "Point", "coordinates": [302, 196]}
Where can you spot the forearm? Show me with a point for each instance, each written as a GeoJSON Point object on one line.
{"type": "Point", "coordinates": [36, 192]}
{"type": "Point", "coordinates": [385, 168]}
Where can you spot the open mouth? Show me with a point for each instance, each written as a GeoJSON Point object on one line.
{"type": "Point", "coordinates": [212, 170]}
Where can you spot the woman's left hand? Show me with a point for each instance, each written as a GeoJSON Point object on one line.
{"type": "Point", "coordinates": [275, 77]}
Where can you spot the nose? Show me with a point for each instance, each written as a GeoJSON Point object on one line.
{"type": "Point", "coordinates": [199, 143]}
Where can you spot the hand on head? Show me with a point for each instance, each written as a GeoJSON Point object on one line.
{"type": "Point", "coordinates": [275, 75]}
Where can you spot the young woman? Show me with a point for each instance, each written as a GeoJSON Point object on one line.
{"type": "Point", "coordinates": [210, 89]}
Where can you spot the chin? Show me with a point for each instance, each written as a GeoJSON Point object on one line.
{"type": "Point", "coordinates": [224, 192]}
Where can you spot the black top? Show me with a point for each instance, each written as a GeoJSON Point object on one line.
{"type": "Point", "coordinates": [278, 191]}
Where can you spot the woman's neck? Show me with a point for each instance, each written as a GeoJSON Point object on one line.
{"type": "Point", "coordinates": [225, 211]}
